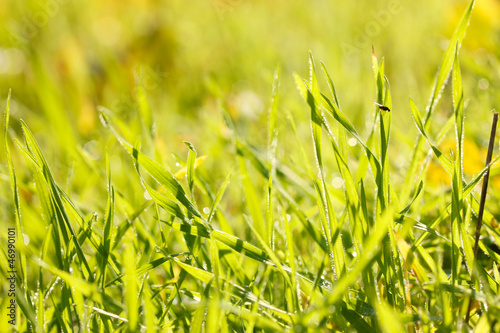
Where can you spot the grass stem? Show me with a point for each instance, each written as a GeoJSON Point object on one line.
{"type": "Point", "coordinates": [484, 190]}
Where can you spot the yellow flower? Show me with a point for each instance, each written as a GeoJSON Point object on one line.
{"type": "Point", "coordinates": [474, 159]}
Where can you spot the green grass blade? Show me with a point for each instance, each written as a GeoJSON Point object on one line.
{"type": "Point", "coordinates": [442, 75]}
{"type": "Point", "coordinates": [15, 196]}
{"type": "Point", "coordinates": [330, 227]}
{"type": "Point", "coordinates": [64, 221]}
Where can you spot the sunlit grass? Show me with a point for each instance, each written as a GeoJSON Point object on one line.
{"type": "Point", "coordinates": [329, 232]}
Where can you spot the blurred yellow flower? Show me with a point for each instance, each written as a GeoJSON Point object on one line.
{"type": "Point", "coordinates": [474, 159]}
{"type": "Point", "coordinates": [484, 18]}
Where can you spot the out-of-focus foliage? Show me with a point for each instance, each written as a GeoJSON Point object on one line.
{"type": "Point", "coordinates": [202, 72]}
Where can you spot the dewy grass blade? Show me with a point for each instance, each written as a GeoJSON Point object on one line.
{"type": "Point", "coordinates": [15, 196]}
{"type": "Point", "coordinates": [443, 159]}
{"type": "Point", "coordinates": [331, 229]}
{"type": "Point", "coordinates": [338, 115]}
{"type": "Point", "coordinates": [62, 217]}
{"type": "Point", "coordinates": [392, 267]}
{"type": "Point", "coordinates": [442, 75]}
{"type": "Point", "coordinates": [358, 224]}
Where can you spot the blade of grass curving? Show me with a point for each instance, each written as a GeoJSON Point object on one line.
{"type": "Point", "coordinates": [15, 198]}
{"type": "Point", "coordinates": [62, 217]}
{"type": "Point", "coordinates": [338, 115]}
{"type": "Point", "coordinates": [331, 86]}
{"type": "Point", "coordinates": [331, 229]}
{"type": "Point", "coordinates": [443, 159]}
{"type": "Point", "coordinates": [441, 78]}
{"type": "Point", "coordinates": [51, 218]}
{"type": "Point", "coordinates": [358, 224]}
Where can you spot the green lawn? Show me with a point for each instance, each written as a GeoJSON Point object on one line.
{"type": "Point", "coordinates": [243, 166]}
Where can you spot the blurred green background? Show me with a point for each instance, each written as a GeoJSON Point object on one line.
{"type": "Point", "coordinates": [64, 58]}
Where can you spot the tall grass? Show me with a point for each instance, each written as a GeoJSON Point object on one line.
{"type": "Point", "coordinates": [302, 255]}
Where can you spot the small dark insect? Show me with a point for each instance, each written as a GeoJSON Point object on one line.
{"type": "Point", "coordinates": [383, 107]}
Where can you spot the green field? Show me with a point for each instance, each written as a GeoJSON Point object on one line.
{"type": "Point", "coordinates": [249, 166]}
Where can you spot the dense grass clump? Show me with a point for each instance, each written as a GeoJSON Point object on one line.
{"type": "Point", "coordinates": [329, 235]}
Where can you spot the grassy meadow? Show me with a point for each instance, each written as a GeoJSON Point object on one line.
{"type": "Point", "coordinates": [249, 166]}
